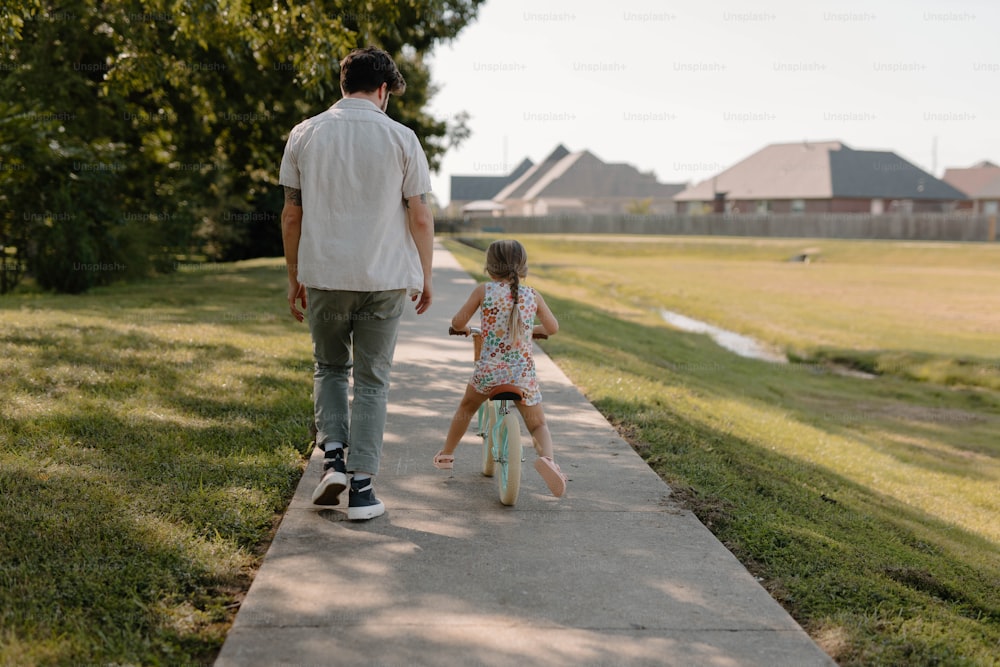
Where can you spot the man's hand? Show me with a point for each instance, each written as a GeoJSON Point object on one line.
{"type": "Point", "coordinates": [423, 299]}
{"type": "Point", "coordinates": [297, 292]}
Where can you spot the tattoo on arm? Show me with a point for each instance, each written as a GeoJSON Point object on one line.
{"type": "Point", "coordinates": [293, 196]}
{"type": "Point", "coordinates": [423, 200]}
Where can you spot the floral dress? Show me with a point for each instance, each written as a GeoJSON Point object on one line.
{"type": "Point", "coordinates": [501, 361]}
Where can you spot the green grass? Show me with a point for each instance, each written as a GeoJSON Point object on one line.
{"type": "Point", "coordinates": [151, 436]}
{"type": "Point", "coordinates": [867, 507]}
{"type": "Point", "coordinates": [925, 311]}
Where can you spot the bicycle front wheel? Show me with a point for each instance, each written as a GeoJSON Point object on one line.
{"type": "Point", "coordinates": [508, 434]}
{"type": "Point", "coordinates": [487, 413]}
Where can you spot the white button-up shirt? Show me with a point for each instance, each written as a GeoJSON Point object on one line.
{"type": "Point", "coordinates": [355, 166]}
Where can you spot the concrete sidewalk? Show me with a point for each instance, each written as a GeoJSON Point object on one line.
{"type": "Point", "coordinates": [614, 573]}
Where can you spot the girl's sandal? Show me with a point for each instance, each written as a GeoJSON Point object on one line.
{"type": "Point", "coordinates": [552, 475]}
{"type": "Point", "coordinates": [444, 461]}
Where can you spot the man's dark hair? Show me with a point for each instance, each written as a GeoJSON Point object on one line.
{"type": "Point", "coordinates": [364, 70]}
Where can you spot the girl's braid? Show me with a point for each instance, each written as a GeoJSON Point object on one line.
{"type": "Point", "coordinates": [515, 320]}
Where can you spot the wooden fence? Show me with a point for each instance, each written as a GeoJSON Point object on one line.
{"type": "Point", "coordinates": [922, 227]}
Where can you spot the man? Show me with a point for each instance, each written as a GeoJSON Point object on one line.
{"type": "Point", "coordinates": [358, 236]}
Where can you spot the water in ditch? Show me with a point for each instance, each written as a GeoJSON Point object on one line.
{"type": "Point", "coordinates": [744, 346]}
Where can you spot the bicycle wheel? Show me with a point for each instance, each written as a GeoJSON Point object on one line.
{"type": "Point", "coordinates": [508, 435]}
{"type": "Point", "coordinates": [484, 428]}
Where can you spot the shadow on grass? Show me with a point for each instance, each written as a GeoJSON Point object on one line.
{"type": "Point", "coordinates": [836, 554]}
{"type": "Point", "coordinates": [248, 297]}
{"type": "Point", "coordinates": [959, 372]}
{"type": "Point", "coordinates": [143, 462]}
{"type": "Point", "coordinates": [91, 573]}
{"type": "Point", "coordinates": [893, 583]}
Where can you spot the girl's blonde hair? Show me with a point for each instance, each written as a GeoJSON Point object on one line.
{"type": "Point", "coordinates": [508, 260]}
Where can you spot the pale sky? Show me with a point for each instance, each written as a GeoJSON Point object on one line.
{"type": "Point", "coordinates": [687, 88]}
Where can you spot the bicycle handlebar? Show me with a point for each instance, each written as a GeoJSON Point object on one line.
{"type": "Point", "coordinates": [476, 331]}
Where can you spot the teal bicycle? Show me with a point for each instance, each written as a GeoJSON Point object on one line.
{"type": "Point", "coordinates": [498, 425]}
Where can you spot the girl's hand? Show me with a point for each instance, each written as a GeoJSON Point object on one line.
{"type": "Point", "coordinates": [465, 331]}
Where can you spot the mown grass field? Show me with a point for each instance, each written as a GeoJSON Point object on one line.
{"type": "Point", "coordinates": [151, 436]}
{"type": "Point", "coordinates": [870, 508]}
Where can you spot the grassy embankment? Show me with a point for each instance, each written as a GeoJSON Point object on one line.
{"type": "Point", "coordinates": [868, 507]}
{"type": "Point", "coordinates": [151, 434]}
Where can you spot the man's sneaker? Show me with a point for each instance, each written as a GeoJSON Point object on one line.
{"type": "Point", "coordinates": [334, 479]}
{"type": "Point", "coordinates": [362, 503]}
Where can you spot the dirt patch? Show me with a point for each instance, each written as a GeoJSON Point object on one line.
{"type": "Point", "coordinates": [713, 512]}
{"type": "Point", "coordinates": [835, 640]}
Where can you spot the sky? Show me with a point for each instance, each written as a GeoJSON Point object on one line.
{"type": "Point", "coordinates": [685, 88]}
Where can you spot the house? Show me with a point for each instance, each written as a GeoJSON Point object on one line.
{"type": "Point", "coordinates": [820, 177]}
{"type": "Point", "coordinates": [580, 182]}
{"type": "Point", "coordinates": [472, 195]}
{"type": "Point", "coordinates": [981, 182]}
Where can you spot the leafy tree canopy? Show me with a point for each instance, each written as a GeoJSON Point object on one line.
{"type": "Point", "coordinates": [133, 133]}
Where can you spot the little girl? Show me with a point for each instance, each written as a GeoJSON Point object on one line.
{"type": "Point", "coordinates": [508, 311]}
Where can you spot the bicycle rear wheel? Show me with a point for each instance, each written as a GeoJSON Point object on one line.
{"type": "Point", "coordinates": [486, 412]}
{"type": "Point", "coordinates": [508, 434]}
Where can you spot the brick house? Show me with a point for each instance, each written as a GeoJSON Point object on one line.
{"type": "Point", "coordinates": [820, 177]}
{"type": "Point", "coordinates": [473, 194]}
{"type": "Point", "coordinates": [580, 182]}
{"type": "Point", "coordinates": [981, 182]}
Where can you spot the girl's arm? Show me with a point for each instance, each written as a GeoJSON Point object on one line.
{"type": "Point", "coordinates": [465, 313]}
{"type": "Point", "coordinates": [548, 324]}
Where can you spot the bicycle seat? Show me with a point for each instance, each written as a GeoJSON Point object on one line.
{"type": "Point", "coordinates": [506, 392]}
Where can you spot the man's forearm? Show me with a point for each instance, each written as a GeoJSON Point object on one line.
{"type": "Point", "coordinates": [421, 222]}
{"type": "Point", "coordinates": [291, 232]}
{"type": "Point", "coordinates": [422, 230]}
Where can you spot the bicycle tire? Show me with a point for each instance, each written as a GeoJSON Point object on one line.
{"type": "Point", "coordinates": [484, 429]}
{"type": "Point", "coordinates": [508, 434]}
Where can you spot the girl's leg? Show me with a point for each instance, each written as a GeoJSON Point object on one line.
{"type": "Point", "coordinates": [534, 420]}
{"type": "Point", "coordinates": [463, 415]}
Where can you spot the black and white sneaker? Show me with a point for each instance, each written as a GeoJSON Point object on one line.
{"type": "Point", "coordinates": [362, 503]}
{"type": "Point", "coordinates": [334, 479]}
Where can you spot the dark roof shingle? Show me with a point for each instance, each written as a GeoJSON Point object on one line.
{"type": "Point", "coordinates": [474, 188]}
{"type": "Point", "coordinates": [883, 174]}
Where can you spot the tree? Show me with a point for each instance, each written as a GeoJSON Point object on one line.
{"type": "Point", "coordinates": [159, 124]}
{"type": "Point", "coordinates": [639, 207]}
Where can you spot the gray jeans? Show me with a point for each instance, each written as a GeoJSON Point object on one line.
{"type": "Point", "coordinates": [353, 331]}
